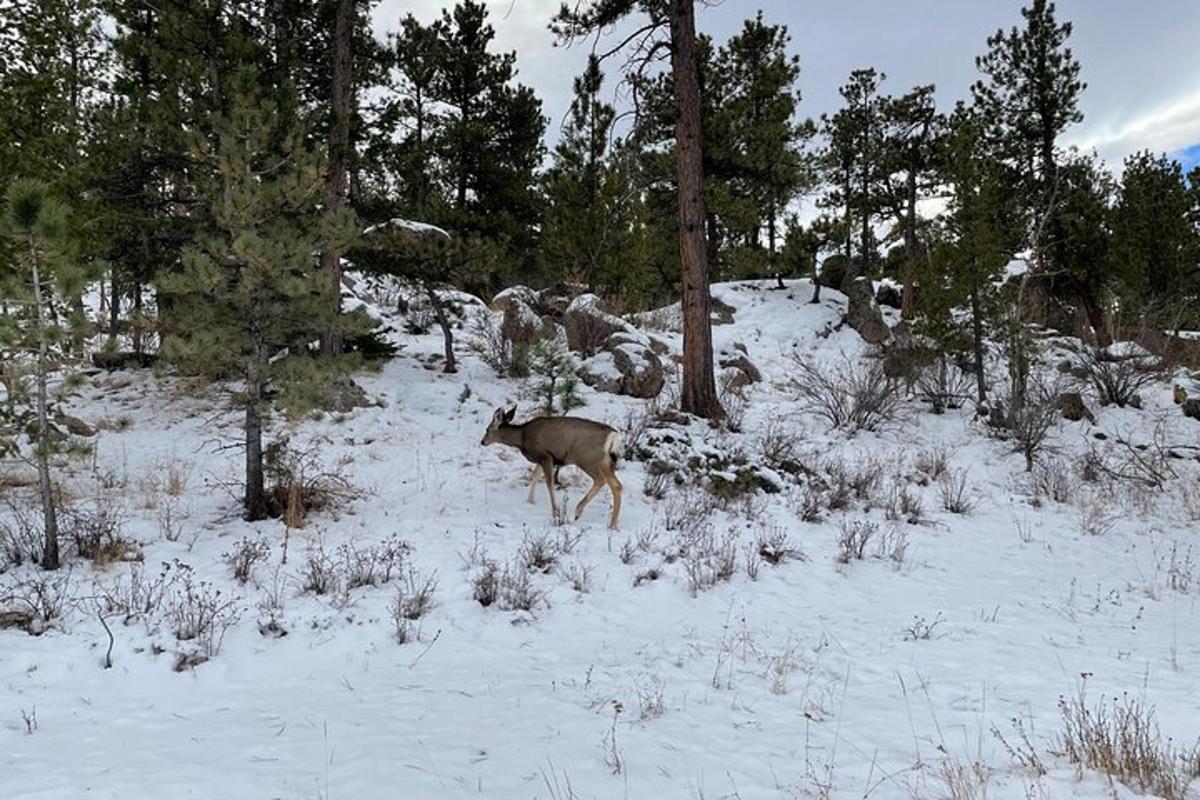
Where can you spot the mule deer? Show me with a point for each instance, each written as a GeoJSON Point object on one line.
{"type": "Point", "coordinates": [551, 442]}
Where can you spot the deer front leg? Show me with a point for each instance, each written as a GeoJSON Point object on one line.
{"type": "Point", "coordinates": [533, 479]}
{"type": "Point", "coordinates": [547, 468]}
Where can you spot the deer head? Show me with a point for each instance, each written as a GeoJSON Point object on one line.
{"type": "Point", "coordinates": [499, 420]}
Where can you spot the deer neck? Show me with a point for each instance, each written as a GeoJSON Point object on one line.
{"type": "Point", "coordinates": [512, 435]}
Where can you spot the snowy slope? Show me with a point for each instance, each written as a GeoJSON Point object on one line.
{"type": "Point", "coordinates": [811, 680]}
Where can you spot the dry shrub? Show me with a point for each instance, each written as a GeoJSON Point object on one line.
{"type": "Point", "coordinates": [933, 461]}
{"type": "Point", "coordinates": [774, 547]}
{"type": "Point", "coordinates": [37, 601]}
{"type": "Point", "coordinates": [95, 532]}
{"type": "Point", "coordinates": [847, 395]}
{"type": "Point", "coordinates": [136, 595]}
{"type": "Point", "coordinates": [732, 394]}
{"type": "Point", "coordinates": [957, 496]}
{"type": "Point", "coordinates": [1119, 382]}
{"type": "Point", "coordinates": [299, 484]}
{"type": "Point", "coordinates": [853, 537]}
{"type": "Point", "coordinates": [1053, 479]}
{"type": "Point", "coordinates": [706, 559]}
{"type": "Point", "coordinates": [413, 600]}
{"type": "Point", "coordinates": [1120, 738]}
{"type": "Point", "coordinates": [21, 537]}
{"type": "Point", "coordinates": [508, 587]}
{"type": "Point", "coordinates": [904, 504]}
{"type": "Point", "coordinates": [200, 613]}
{"type": "Point", "coordinates": [242, 559]}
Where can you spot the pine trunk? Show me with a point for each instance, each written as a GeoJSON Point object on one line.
{"type": "Point", "coordinates": [910, 244]}
{"type": "Point", "coordinates": [447, 331]}
{"type": "Point", "coordinates": [50, 559]}
{"type": "Point", "coordinates": [339, 155]}
{"type": "Point", "coordinates": [699, 393]}
{"type": "Point", "coordinates": [977, 336]}
{"type": "Point", "coordinates": [254, 502]}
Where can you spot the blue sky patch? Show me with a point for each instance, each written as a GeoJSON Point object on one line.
{"type": "Point", "coordinates": [1189, 157]}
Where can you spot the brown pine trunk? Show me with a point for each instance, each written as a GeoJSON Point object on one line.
{"type": "Point", "coordinates": [339, 154]}
{"type": "Point", "coordinates": [699, 392]}
{"type": "Point", "coordinates": [1099, 324]}
{"type": "Point", "coordinates": [977, 337]}
{"type": "Point", "coordinates": [910, 245]}
{"type": "Point", "coordinates": [443, 321]}
{"type": "Point", "coordinates": [254, 501]}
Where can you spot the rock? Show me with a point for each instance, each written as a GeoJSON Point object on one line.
{"type": "Point", "coordinates": [554, 301]}
{"type": "Point", "coordinates": [588, 327]}
{"type": "Point", "coordinates": [1073, 408]}
{"type": "Point", "coordinates": [863, 314]}
{"type": "Point", "coordinates": [1191, 407]}
{"type": "Point", "coordinates": [1126, 351]}
{"type": "Point", "coordinates": [735, 358]}
{"type": "Point", "coordinates": [601, 373]}
{"type": "Point", "coordinates": [641, 371]}
{"type": "Point", "coordinates": [1179, 394]}
{"type": "Point", "coordinates": [888, 294]}
{"type": "Point", "coordinates": [833, 272]}
{"type": "Point", "coordinates": [722, 313]}
{"type": "Point", "coordinates": [343, 395]}
{"type": "Point", "coordinates": [74, 425]}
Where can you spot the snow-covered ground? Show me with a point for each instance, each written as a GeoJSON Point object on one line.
{"type": "Point", "coordinates": [884, 677]}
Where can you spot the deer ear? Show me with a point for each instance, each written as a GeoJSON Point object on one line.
{"type": "Point", "coordinates": [508, 415]}
{"type": "Point", "coordinates": [498, 417]}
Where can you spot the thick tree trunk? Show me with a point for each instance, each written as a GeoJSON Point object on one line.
{"type": "Point", "coordinates": [254, 501]}
{"type": "Point", "coordinates": [50, 559]}
{"type": "Point", "coordinates": [1096, 319]}
{"type": "Point", "coordinates": [816, 280]}
{"type": "Point", "coordinates": [339, 154]}
{"type": "Point", "coordinates": [699, 392]}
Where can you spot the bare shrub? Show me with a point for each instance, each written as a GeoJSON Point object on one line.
{"type": "Point", "coordinates": [319, 572]}
{"type": "Point", "coordinates": [892, 546]}
{"type": "Point", "coordinates": [244, 555]}
{"type": "Point", "coordinates": [853, 538]}
{"type": "Point", "coordinates": [934, 462]}
{"type": "Point", "coordinates": [1120, 738]}
{"type": "Point", "coordinates": [21, 534]}
{"type": "Point", "coordinates": [485, 585]}
{"type": "Point", "coordinates": [904, 504]}
{"type": "Point", "coordinates": [170, 520]}
{"type": "Point", "coordinates": [137, 595]}
{"type": "Point", "coordinates": [774, 547]}
{"type": "Point", "coordinates": [372, 565]}
{"type": "Point", "coordinates": [271, 607]}
{"type": "Point", "coordinates": [922, 629]}
{"type": "Point", "coordinates": [734, 401]}
{"type": "Point", "coordinates": [847, 396]}
{"type": "Point", "coordinates": [95, 532]}
{"type": "Point", "coordinates": [517, 592]}
{"type": "Point", "coordinates": [496, 349]}
{"type": "Point", "coordinates": [688, 510]}
{"type": "Point", "coordinates": [1096, 515]}
{"type": "Point", "coordinates": [538, 552]}
{"type": "Point", "coordinates": [1052, 478]}
{"type": "Point", "coordinates": [1119, 381]}
{"type": "Point", "coordinates": [956, 493]}
{"type": "Point", "coordinates": [943, 384]}
{"type": "Point", "coordinates": [1147, 463]}
{"type": "Point", "coordinates": [706, 559]}
{"type": "Point", "coordinates": [1028, 425]}
{"type": "Point", "coordinates": [41, 600]}
{"type": "Point", "coordinates": [299, 484]}
{"type": "Point", "coordinates": [807, 501]}
{"type": "Point", "coordinates": [197, 612]}
{"type": "Point", "coordinates": [412, 601]}
{"type": "Point", "coordinates": [579, 575]}
{"type": "Point", "coordinates": [650, 698]}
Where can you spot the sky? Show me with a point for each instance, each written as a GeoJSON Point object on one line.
{"type": "Point", "coordinates": [1141, 60]}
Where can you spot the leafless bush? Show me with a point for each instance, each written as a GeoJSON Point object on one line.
{"type": "Point", "coordinates": [904, 504]}
{"type": "Point", "coordinates": [21, 534]}
{"type": "Point", "coordinates": [1053, 478]}
{"type": "Point", "coordinates": [1119, 381]}
{"type": "Point", "coordinates": [496, 349]}
{"type": "Point", "coordinates": [1149, 464]}
{"type": "Point", "coordinates": [734, 401]}
{"type": "Point", "coordinates": [688, 510]}
{"type": "Point", "coordinates": [579, 575]}
{"type": "Point", "coordinates": [706, 559]}
{"type": "Point", "coordinates": [934, 462]}
{"type": "Point", "coordinates": [271, 607]}
{"type": "Point", "coordinates": [299, 484]}
{"type": "Point", "coordinates": [136, 595]}
{"type": "Point", "coordinates": [922, 629]}
{"type": "Point", "coordinates": [847, 396]}
{"type": "Point", "coordinates": [413, 600]}
{"type": "Point", "coordinates": [244, 555]}
{"type": "Point", "coordinates": [656, 485]}
{"type": "Point", "coordinates": [943, 385]}
{"type": "Point", "coordinates": [779, 447]}
{"type": "Point", "coordinates": [95, 532]}
{"type": "Point", "coordinates": [807, 501]}
{"type": "Point", "coordinates": [508, 587]}
{"type": "Point", "coordinates": [199, 613]}
{"type": "Point", "coordinates": [1182, 573]}
{"type": "Point", "coordinates": [650, 698]}
{"type": "Point", "coordinates": [170, 520]}
{"type": "Point", "coordinates": [41, 599]}
{"type": "Point", "coordinates": [892, 546]}
{"type": "Point", "coordinates": [1120, 738]}
{"type": "Point", "coordinates": [1028, 425]}
{"type": "Point", "coordinates": [853, 539]}
{"type": "Point", "coordinates": [1021, 748]}
{"type": "Point", "coordinates": [774, 547]}
{"type": "Point", "coordinates": [537, 552]}
{"type": "Point", "coordinates": [957, 496]}
{"type": "Point", "coordinates": [485, 585]}
{"type": "Point", "coordinates": [372, 565]}
{"type": "Point", "coordinates": [319, 573]}
{"type": "Point", "coordinates": [1096, 515]}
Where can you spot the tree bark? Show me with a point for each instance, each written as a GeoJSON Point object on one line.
{"type": "Point", "coordinates": [699, 392]}
{"type": "Point", "coordinates": [339, 155]}
{"type": "Point", "coordinates": [910, 244]}
{"type": "Point", "coordinates": [447, 331]}
{"type": "Point", "coordinates": [977, 336]}
{"type": "Point", "coordinates": [254, 501]}
{"type": "Point", "coordinates": [50, 559]}
{"type": "Point", "coordinates": [816, 279]}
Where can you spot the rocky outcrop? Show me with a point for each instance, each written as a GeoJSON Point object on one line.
{"type": "Point", "coordinates": [589, 327]}
{"type": "Point", "coordinates": [736, 359]}
{"type": "Point", "coordinates": [863, 314]}
{"type": "Point", "coordinates": [626, 366]}
{"type": "Point", "coordinates": [1073, 408]}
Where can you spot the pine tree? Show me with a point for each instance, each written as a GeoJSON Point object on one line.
{"type": "Point", "coordinates": [47, 272]}
{"type": "Point", "coordinates": [699, 390]}
{"type": "Point", "coordinates": [249, 287]}
{"type": "Point", "coordinates": [1156, 246]}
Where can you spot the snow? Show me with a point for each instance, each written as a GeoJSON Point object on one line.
{"type": "Point", "coordinates": [774, 687]}
{"type": "Point", "coordinates": [409, 225]}
{"type": "Point", "coordinates": [1127, 350]}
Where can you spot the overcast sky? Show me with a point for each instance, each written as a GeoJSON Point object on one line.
{"type": "Point", "coordinates": [1141, 59]}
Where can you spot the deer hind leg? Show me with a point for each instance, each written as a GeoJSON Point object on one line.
{"type": "Point", "coordinates": [533, 481]}
{"type": "Point", "coordinates": [548, 473]}
{"type": "Point", "coordinates": [597, 485]}
{"type": "Point", "coordinates": [615, 487]}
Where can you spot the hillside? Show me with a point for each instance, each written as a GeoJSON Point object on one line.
{"type": "Point", "coordinates": [850, 615]}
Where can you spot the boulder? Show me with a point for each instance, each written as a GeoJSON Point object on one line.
{"type": "Point", "coordinates": [74, 425]}
{"type": "Point", "coordinates": [863, 314]}
{"type": "Point", "coordinates": [888, 294]}
{"type": "Point", "coordinates": [588, 327]}
{"type": "Point", "coordinates": [1191, 407]}
{"type": "Point", "coordinates": [1073, 408]}
{"type": "Point", "coordinates": [833, 272]}
{"type": "Point", "coordinates": [735, 358]}
{"type": "Point", "coordinates": [641, 371]}
{"type": "Point", "coordinates": [721, 313]}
